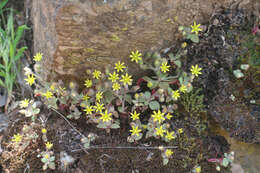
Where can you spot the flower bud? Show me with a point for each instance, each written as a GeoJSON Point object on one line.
{"type": "Point", "coordinates": [149, 84]}
{"type": "Point", "coordinates": [72, 85]}
{"type": "Point", "coordinates": [183, 45]}
{"type": "Point", "coordinates": [157, 62]}
{"type": "Point", "coordinates": [161, 148]}
{"type": "Point", "coordinates": [161, 91]}
{"type": "Point", "coordinates": [88, 72]}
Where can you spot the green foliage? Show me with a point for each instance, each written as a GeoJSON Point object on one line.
{"type": "Point", "coordinates": [31, 110]}
{"type": "Point", "coordinates": [48, 160]}
{"type": "Point", "coordinates": [9, 53]}
{"type": "Point", "coordinates": [193, 102]}
{"type": "Point", "coordinates": [86, 140]}
{"type": "Point", "coordinates": [252, 54]}
{"type": "Point", "coordinates": [186, 32]}
{"type": "Point", "coordinates": [226, 161]}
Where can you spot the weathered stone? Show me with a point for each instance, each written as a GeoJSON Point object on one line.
{"type": "Point", "coordinates": [75, 35]}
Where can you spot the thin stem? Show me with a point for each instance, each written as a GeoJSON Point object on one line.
{"type": "Point", "coordinates": [123, 101]}
{"type": "Point", "coordinates": [128, 147]}
{"type": "Point", "coordinates": [67, 121]}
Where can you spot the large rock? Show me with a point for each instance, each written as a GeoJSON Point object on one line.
{"type": "Point", "coordinates": [75, 35]}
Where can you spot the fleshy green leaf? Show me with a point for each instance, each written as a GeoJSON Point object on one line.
{"type": "Point", "coordinates": [51, 165]}
{"type": "Point", "coordinates": [101, 125]}
{"type": "Point", "coordinates": [115, 126]}
{"type": "Point", "coordinates": [52, 158]}
{"type": "Point", "coordinates": [108, 95]}
{"type": "Point", "coordinates": [128, 98]}
{"type": "Point", "coordinates": [147, 95]}
{"type": "Point", "coordinates": [44, 160]}
{"type": "Point", "coordinates": [225, 162]}
{"type": "Point", "coordinates": [238, 74]}
{"type": "Point", "coordinates": [178, 63]}
{"type": "Point", "coordinates": [193, 37]}
{"type": "Point", "coordinates": [154, 105]}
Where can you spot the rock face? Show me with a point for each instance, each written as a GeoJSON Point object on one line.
{"type": "Point", "coordinates": [75, 35]}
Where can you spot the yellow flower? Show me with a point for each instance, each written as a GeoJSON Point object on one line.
{"type": "Point", "coordinates": [198, 169]}
{"type": "Point", "coordinates": [17, 138]}
{"type": "Point", "coordinates": [99, 96]}
{"type": "Point", "coordinates": [126, 79]}
{"type": "Point", "coordinates": [195, 70]}
{"type": "Point", "coordinates": [30, 79]}
{"type": "Point", "coordinates": [37, 57]}
{"type": "Point", "coordinates": [48, 94]}
{"type": "Point", "coordinates": [135, 116]}
{"type": "Point", "coordinates": [88, 83]}
{"type": "Point", "coordinates": [168, 116]}
{"type": "Point", "coordinates": [116, 86]}
{"type": "Point", "coordinates": [183, 45]}
{"type": "Point", "coordinates": [44, 130]}
{"type": "Point", "coordinates": [183, 88]}
{"type": "Point", "coordinates": [89, 109]}
{"type": "Point", "coordinates": [24, 103]}
{"type": "Point", "coordinates": [164, 67]}
{"type": "Point", "coordinates": [135, 131]}
{"type": "Point", "coordinates": [106, 116]}
{"type": "Point", "coordinates": [136, 56]}
{"type": "Point", "coordinates": [99, 107]}
{"type": "Point", "coordinates": [85, 97]}
{"type": "Point", "coordinates": [168, 152]}
{"type": "Point", "coordinates": [160, 131]}
{"type": "Point", "coordinates": [196, 28]}
{"type": "Point", "coordinates": [96, 74]}
{"type": "Point", "coordinates": [113, 77]}
{"type": "Point", "coordinates": [48, 145]}
{"type": "Point", "coordinates": [158, 116]}
{"type": "Point", "coordinates": [180, 130]}
{"type": "Point", "coordinates": [52, 87]}
{"type": "Point", "coordinates": [119, 67]}
{"type": "Point", "coordinates": [175, 94]}
{"type": "Point", "coordinates": [169, 135]}
{"type": "Point", "coordinates": [46, 156]}
{"type": "Point", "coordinates": [149, 84]}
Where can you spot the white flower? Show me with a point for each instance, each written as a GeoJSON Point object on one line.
{"type": "Point", "coordinates": [27, 71]}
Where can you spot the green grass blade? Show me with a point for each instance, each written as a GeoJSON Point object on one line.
{"type": "Point", "coordinates": [19, 33]}
{"type": "Point", "coordinates": [2, 83]}
{"type": "Point", "coordinates": [2, 74]}
{"type": "Point", "coordinates": [3, 3]}
{"type": "Point", "coordinates": [2, 67]}
{"type": "Point", "coordinates": [10, 25]}
{"type": "Point", "coordinates": [19, 53]}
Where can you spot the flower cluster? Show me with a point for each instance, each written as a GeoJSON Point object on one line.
{"type": "Point", "coordinates": [110, 95]}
